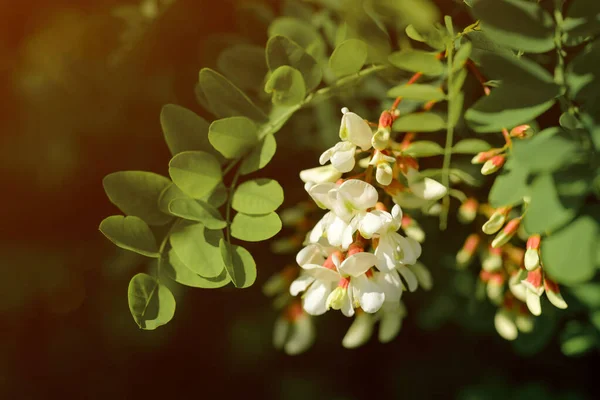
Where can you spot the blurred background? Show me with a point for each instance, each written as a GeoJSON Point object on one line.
{"type": "Point", "coordinates": [82, 83]}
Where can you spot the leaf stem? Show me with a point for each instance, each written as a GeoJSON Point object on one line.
{"type": "Point", "coordinates": [228, 207]}
{"type": "Point", "coordinates": [448, 147]}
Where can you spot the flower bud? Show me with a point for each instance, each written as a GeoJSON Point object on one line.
{"type": "Point", "coordinates": [465, 255]}
{"type": "Point", "coordinates": [507, 233]}
{"type": "Point", "coordinates": [381, 139]}
{"type": "Point", "coordinates": [532, 255]}
{"type": "Point", "coordinates": [412, 228]}
{"type": "Point", "coordinates": [553, 294]}
{"type": "Point", "coordinates": [360, 331]}
{"type": "Point", "coordinates": [326, 173]}
{"type": "Point", "coordinates": [516, 287]}
{"type": "Point", "coordinates": [504, 322]}
{"type": "Point", "coordinates": [496, 221]}
{"type": "Point", "coordinates": [279, 282]}
{"type": "Point", "coordinates": [468, 210]}
{"type": "Point", "coordinates": [495, 288]}
{"type": "Point", "coordinates": [355, 130]}
{"type": "Point", "coordinates": [492, 261]}
{"type": "Point", "coordinates": [386, 119]}
{"type": "Point", "coordinates": [521, 131]}
{"type": "Point", "coordinates": [384, 174]}
{"type": "Point", "coordinates": [535, 288]}
{"type": "Point", "coordinates": [424, 187]}
{"type": "Point", "coordinates": [493, 164]}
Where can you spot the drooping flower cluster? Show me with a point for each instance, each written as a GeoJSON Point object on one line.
{"type": "Point", "coordinates": [354, 258]}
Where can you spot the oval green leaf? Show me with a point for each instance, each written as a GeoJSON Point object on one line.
{"type": "Point", "coordinates": [239, 264]}
{"type": "Point", "coordinates": [348, 57]}
{"type": "Point", "coordinates": [417, 91]}
{"type": "Point", "coordinates": [255, 228]}
{"type": "Point", "coordinates": [260, 156]}
{"type": "Point", "coordinates": [419, 122]}
{"type": "Point", "coordinates": [287, 86]}
{"type": "Point", "coordinates": [184, 130]}
{"type": "Point", "coordinates": [283, 51]}
{"type": "Point", "coordinates": [196, 173]}
{"type": "Point", "coordinates": [198, 248]}
{"type": "Point", "coordinates": [545, 211]}
{"type": "Point", "coordinates": [233, 137]}
{"type": "Point", "coordinates": [424, 148]}
{"type": "Point", "coordinates": [197, 210]}
{"type": "Point", "coordinates": [244, 65]}
{"type": "Point", "coordinates": [136, 193]}
{"type": "Point", "coordinates": [130, 233]}
{"type": "Point", "coordinates": [180, 273]}
{"type": "Point", "coordinates": [417, 61]}
{"type": "Point", "coordinates": [471, 146]}
{"type": "Point", "coordinates": [259, 196]}
{"type": "Point", "coordinates": [151, 303]}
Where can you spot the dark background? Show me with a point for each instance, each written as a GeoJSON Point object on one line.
{"type": "Point", "coordinates": [78, 102]}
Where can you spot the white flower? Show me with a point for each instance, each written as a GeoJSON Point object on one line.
{"type": "Point", "coordinates": [355, 284]}
{"type": "Point", "coordinates": [348, 203]}
{"type": "Point", "coordinates": [354, 131]}
{"type": "Point", "coordinates": [384, 173]}
{"type": "Point", "coordinates": [326, 173]}
{"type": "Point", "coordinates": [423, 187]}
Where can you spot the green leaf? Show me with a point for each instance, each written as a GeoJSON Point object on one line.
{"type": "Point", "coordinates": [424, 148]}
{"type": "Point", "coordinates": [517, 24]}
{"type": "Point", "coordinates": [180, 273]}
{"type": "Point", "coordinates": [283, 51]}
{"type": "Point", "coordinates": [260, 156]}
{"type": "Point", "coordinates": [197, 210]}
{"type": "Point", "coordinates": [417, 61]}
{"type": "Point", "coordinates": [577, 339]}
{"type": "Point", "coordinates": [255, 228]}
{"type": "Point", "coordinates": [417, 91]}
{"type": "Point", "coordinates": [225, 99]}
{"type": "Point", "coordinates": [462, 55]}
{"type": "Point", "coordinates": [300, 32]}
{"type": "Point", "coordinates": [259, 196]}
{"type": "Point", "coordinates": [239, 264]}
{"type": "Point", "coordinates": [233, 137]}
{"type": "Point", "coordinates": [130, 233]}
{"type": "Point", "coordinates": [569, 255]}
{"type": "Point", "coordinates": [433, 36]}
{"type": "Point", "coordinates": [482, 45]}
{"type": "Point", "coordinates": [581, 75]}
{"type": "Point", "coordinates": [526, 91]}
{"type": "Point", "coordinates": [510, 187]}
{"type": "Point", "coordinates": [151, 303]}
{"type": "Point", "coordinates": [184, 130]}
{"type": "Point", "coordinates": [545, 211]}
{"type": "Point", "coordinates": [216, 198]}
{"type": "Point", "coordinates": [287, 86]}
{"type": "Point", "coordinates": [547, 151]}
{"type": "Point", "coordinates": [455, 108]}
{"type": "Point", "coordinates": [419, 122]}
{"type": "Point", "coordinates": [198, 248]}
{"type": "Point", "coordinates": [581, 22]}
{"type": "Point", "coordinates": [136, 193]}
{"type": "Point", "coordinates": [244, 65]}
{"type": "Point", "coordinates": [471, 146]}
{"type": "Point", "coordinates": [348, 57]}
{"type": "Point", "coordinates": [196, 173]}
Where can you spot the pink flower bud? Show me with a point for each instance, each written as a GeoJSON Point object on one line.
{"type": "Point", "coordinates": [496, 220]}
{"type": "Point", "coordinates": [534, 242]}
{"type": "Point", "coordinates": [553, 293]}
{"type": "Point", "coordinates": [520, 131]}
{"type": "Point", "coordinates": [465, 255]}
{"type": "Point", "coordinates": [386, 119]}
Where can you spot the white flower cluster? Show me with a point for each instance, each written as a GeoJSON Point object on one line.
{"type": "Point", "coordinates": [354, 259]}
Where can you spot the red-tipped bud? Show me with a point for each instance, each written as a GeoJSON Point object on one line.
{"type": "Point", "coordinates": [493, 164]}
{"type": "Point", "coordinates": [406, 162]}
{"type": "Point", "coordinates": [386, 119]}
{"type": "Point", "coordinates": [465, 255]}
{"type": "Point", "coordinates": [412, 228]}
{"type": "Point", "coordinates": [553, 293]}
{"type": "Point", "coordinates": [468, 210]}
{"type": "Point", "coordinates": [294, 311]}
{"type": "Point", "coordinates": [507, 233]}
{"type": "Point", "coordinates": [482, 157]}
{"type": "Point", "coordinates": [534, 242]}
{"type": "Point", "coordinates": [532, 255]}
{"type": "Point", "coordinates": [356, 247]}
{"type": "Point", "coordinates": [520, 131]}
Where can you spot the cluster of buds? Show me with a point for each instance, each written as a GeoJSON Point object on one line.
{"type": "Point", "coordinates": [492, 160]}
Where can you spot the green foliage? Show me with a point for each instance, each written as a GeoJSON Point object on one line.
{"type": "Point", "coordinates": [298, 31]}
{"type": "Point", "coordinates": [180, 273]}
{"type": "Point", "coordinates": [239, 264]}
{"type": "Point", "coordinates": [130, 233]}
{"type": "Point", "coordinates": [151, 303]}
{"type": "Point", "coordinates": [516, 24]}
{"type": "Point", "coordinates": [255, 228]}
{"type": "Point", "coordinates": [259, 196]}
{"type": "Point", "coordinates": [287, 86]}
{"type": "Point", "coordinates": [196, 173]}
{"type": "Point", "coordinates": [198, 248]}
{"type": "Point", "coordinates": [348, 57]}
{"type": "Point", "coordinates": [424, 148]}
{"type": "Point", "coordinates": [548, 151]}
{"type": "Point", "coordinates": [510, 187]}
{"type": "Point", "coordinates": [417, 91]}
{"type": "Point", "coordinates": [282, 51]}
{"type": "Point", "coordinates": [260, 156]}
{"type": "Point", "coordinates": [470, 146]}
{"type": "Point", "coordinates": [136, 193]}
{"type": "Point", "coordinates": [419, 122]}
{"type": "Point", "coordinates": [244, 65]}
{"type": "Point", "coordinates": [417, 61]}
{"type": "Point", "coordinates": [184, 130]}
{"type": "Point", "coordinates": [233, 137]}
{"type": "Point", "coordinates": [197, 210]}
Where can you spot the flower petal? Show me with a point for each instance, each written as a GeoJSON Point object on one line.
{"type": "Point", "coordinates": [315, 298]}
{"type": "Point", "coordinates": [505, 325]}
{"type": "Point", "coordinates": [423, 275]}
{"type": "Point", "coordinates": [370, 295]}
{"type": "Point", "coordinates": [392, 314]}
{"type": "Point", "coordinates": [372, 222]}
{"type": "Point", "coordinates": [343, 159]}
{"type": "Point", "coordinates": [347, 308]}
{"type": "Point", "coordinates": [360, 194]}
{"type": "Point", "coordinates": [302, 336]}
{"type": "Point", "coordinates": [320, 194]}
{"type": "Point", "coordinates": [356, 130]}
{"type": "Point", "coordinates": [326, 173]}
{"type": "Point", "coordinates": [409, 277]}
{"type": "Point", "coordinates": [391, 285]}
{"type": "Point", "coordinates": [425, 188]}
{"type": "Point", "coordinates": [321, 273]}
{"type": "Point", "coordinates": [300, 284]}
{"type": "Point", "coordinates": [335, 231]}
{"type": "Point", "coordinates": [358, 263]}
{"type": "Point", "coordinates": [359, 332]}
{"type": "Point", "coordinates": [311, 254]}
